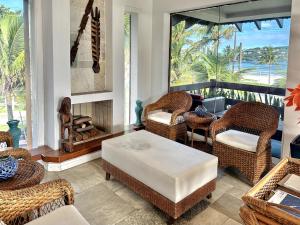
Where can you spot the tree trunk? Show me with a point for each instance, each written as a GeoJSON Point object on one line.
{"type": "Point", "coordinates": [9, 106]}
{"type": "Point", "coordinates": [269, 74]}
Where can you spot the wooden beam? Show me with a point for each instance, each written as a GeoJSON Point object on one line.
{"type": "Point", "coordinates": [239, 26]}
{"type": "Point", "coordinates": [258, 24]}
{"type": "Point", "coordinates": [279, 22]}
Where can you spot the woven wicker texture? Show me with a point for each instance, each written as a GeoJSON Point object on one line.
{"type": "Point", "coordinates": [176, 103]}
{"type": "Point", "coordinates": [18, 153]}
{"type": "Point", "coordinates": [6, 137]}
{"type": "Point", "coordinates": [21, 206]}
{"type": "Point", "coordinates": [257, 209]}
{"type": "Point", "coordinates": [251, 117]}
{"type": "Point", "coordinates": [197, 122]}
{"type": "Point", "coordinates": [166, 205]}
{"type": "Point", "coordinates": [29, 174]}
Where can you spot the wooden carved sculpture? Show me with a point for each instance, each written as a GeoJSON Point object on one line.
{"type": "Point", "coordinates": [83, 23]}
{"type": "Point", "coordinates": [66, 123]}
{"type": "Point", "coordinates": [95, 33]}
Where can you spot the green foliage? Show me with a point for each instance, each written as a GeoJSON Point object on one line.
{"type": "Point", "coordinates": [194, 55]}
{"type": "Point", "coordinates": [12, 57]}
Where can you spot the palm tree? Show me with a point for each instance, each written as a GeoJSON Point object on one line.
{"type": "Point", "coordinates": [268, 56]}
{"type": "Point", "coordinates": [188, 46]}
{"type": "Point", "coordinates": [12, 58]}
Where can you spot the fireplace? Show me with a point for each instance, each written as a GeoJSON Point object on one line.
{"type": "Point", "coordinates": [90, 124]}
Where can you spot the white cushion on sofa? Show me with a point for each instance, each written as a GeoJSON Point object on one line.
{"type": "Point", "coordinates": [238, 139]}
{"type": "Point", "coordinates": [61, 216]}
{"type": "Point", "coordinates": [164, 118]}
{"type": "Point", "coordinates": [170, 168]}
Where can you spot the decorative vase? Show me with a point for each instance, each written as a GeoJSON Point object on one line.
{"type": "Point", "coordinates": [138, 112]}
{"type": "Point", "coordinates": [15, 132]}
{"type": "Point", "coordinates": [8, 167]}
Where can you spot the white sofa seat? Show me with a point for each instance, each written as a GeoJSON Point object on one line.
{"type": "Point", "coordinates": [238, 139]}
{"type": "Point", "coordinates": [61, 216]}
{"type": "Point", "coordinates": [164, 118]}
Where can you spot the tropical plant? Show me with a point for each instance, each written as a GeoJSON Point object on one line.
{"type": "Point", "coordinates": [12, 58]}
{"type": "Point", "coordinates": [189, 46]}
{"type": "Point", "coordinates": [268, 56]}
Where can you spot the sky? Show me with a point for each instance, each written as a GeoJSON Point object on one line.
{"type": "Point", "coordinates": [15, 5]}
{"type": "Point", "coordinates": [269, 35]}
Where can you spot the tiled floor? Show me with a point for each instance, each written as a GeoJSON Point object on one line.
{"type": "Point", "coordinates": [109, 202]}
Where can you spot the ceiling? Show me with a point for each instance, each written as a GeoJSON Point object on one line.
{"type": "Point", "coordinates": [241, 12]}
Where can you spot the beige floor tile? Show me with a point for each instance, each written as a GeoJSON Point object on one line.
{"type": "Point", "coordinates": [50, 176]}
{"type": "Point", "coordinates": [231, 222]}
{"type": "Point", "coordinates": [83, 177]}
{"type": "Point", "coordinates": [101, 206]}
{"type": "Point", "coordinates": [221, 188]}
{"type": "Point", "coordinates": [229, 206]}
{"type": "Point", "coordinates": [132, 198]}
{"type": "Point", "coordinates": [209, 216]}
{"type": "Point", "coordinates": [143, 217]}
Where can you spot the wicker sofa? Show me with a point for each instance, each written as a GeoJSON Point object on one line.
{"type": "Point", "coordinates": [48, 203]}
{"type": "Point", "coordinates": [241, 138]}
{"type": "Point", "coordinates": [164, 116]}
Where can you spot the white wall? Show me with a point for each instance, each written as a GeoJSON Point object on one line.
{"type": "Point", "coordinates": [291, 128]}
{"type": "Point", "coordinates": [143, 12]}
{"type": "Point", "coordinates": [56, 58]}
{"type": "Point", "coordinates": [37, 79]}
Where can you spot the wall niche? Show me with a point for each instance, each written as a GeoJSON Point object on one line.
{"type": "Point", "coordinates": [83, 78]}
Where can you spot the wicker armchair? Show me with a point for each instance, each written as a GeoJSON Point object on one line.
{"type": "Point", "coordinates": [22, 206]}
{"type": "Point", "coordinates": [241, 138]}
{"type": "Point", "coordinates": [165, 123]}
{"type": "Point", "coordinates": [18, 153]}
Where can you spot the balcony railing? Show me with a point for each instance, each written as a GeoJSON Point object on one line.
{"type": "Point", "coordinates": [235, 92]}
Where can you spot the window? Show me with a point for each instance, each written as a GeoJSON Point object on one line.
{"type": "Point", "coordinates": [12, 67]}
{"type": "Point", "coordinates": [232, 53]}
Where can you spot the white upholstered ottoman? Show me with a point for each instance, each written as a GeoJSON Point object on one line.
{"type": "Point", "coordinates": [172, 176]}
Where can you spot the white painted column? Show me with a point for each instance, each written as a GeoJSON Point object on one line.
{"type": "Point", "coordinates": [291, 118]}
{"type": "Point", "coordinates": [57, 74]}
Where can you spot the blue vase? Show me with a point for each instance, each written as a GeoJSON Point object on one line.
{"type": "Point", "coordinates": [138, 112]}
{"type": "Point", "coordinates": [8, 167]}
{"type": "Point", "coordinates": [15, 132]}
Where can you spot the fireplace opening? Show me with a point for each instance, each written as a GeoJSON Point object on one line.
{"type": "Point", "coordinates": [85, 125]}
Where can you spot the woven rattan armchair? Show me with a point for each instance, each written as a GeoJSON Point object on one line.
{"type": "Point", "coordinates": [22, 206]}
{"type": "Point", "coordinates": [172, 106]}
{"type": "Point", "coordinates": [258, 122]}
{"type": "Point", "coordinates": [18, 153]}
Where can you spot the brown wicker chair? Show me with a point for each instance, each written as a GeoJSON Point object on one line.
{"type": "Point", "coordinates": [22, 206]}
{"type": "Point", "coordinates": [18, 153]}
{"type": "Point", "coordinates": [251, 118]}
{"type": "Point", "coordinates": [176, 104]}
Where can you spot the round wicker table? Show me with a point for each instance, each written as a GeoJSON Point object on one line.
{"type": "Point", "coordinates": [196, 122]}
{"type": "Point", "coordinates": [29, 173]}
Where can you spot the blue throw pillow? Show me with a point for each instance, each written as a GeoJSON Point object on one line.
{"type": "Point", "coordinates": [201, 111]}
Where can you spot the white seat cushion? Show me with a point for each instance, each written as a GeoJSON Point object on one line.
{"type": "Point", "coordinates": [170, 168]}
{"type": "Point", "coordinates": [164, 118]}
{"type": "Point", "coordinates": [238, 139]}
{"type": "Point", "coordinates": [61, 216]}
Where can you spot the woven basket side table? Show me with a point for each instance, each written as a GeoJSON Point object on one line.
{"type": "Point", "coordinates": [198, 123]}
{"type": "Point", "coordinates": [29, 173]}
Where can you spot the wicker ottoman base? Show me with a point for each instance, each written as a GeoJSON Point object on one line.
{"type": "Point", "coordinates": [174, 210]}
